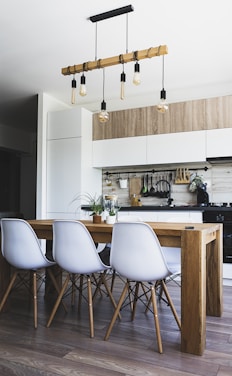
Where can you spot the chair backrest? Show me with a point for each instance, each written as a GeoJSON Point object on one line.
{"type": "Point", "coordinates": [74, 249]}
{"type": "Point", "coordinates": [136, 252]}
{"type": "Point", "coordinates": [20, 245]}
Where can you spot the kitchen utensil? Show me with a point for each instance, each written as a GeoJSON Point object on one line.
{"type": "Point", "coordinates": [146, 193]}
{"type": "Point", "coordinates": [144, 187]}
{"type": "Point", "coordinates": [152, 189]}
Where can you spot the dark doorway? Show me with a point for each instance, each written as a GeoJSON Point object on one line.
{"type": "Point", "coordinates": [10, 181]}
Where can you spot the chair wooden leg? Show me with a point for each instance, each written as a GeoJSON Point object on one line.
{"type": "Point", "coordinates": [80, 292]}
{"type": "Point", "coordinates": [98, 281]}
{"type": "Point", "coordinates": [129, 296]}
{"type": "Point", "coordinates": [116, 312]}
{"type": "Point", "coordinates": [5, 296]}
{"type": "Point", "coordinates": [165, 290]}
{"type": "Point", "coordinates": [35, 299]}
{"type": "Point", "coordinates": [145, 292]}
{"type": "Point", "coordinates": [73, 289]}
{"type": "Point", "coordinates": [55, 284]}
{"type": "Point", "coordinates": [90, 301]}
{"type": "Point", "coordinates": [156, 319]}
{"type": "Point", "coordinates": [58, 300]}
{"type": "Point", "coordinates": [109, 292]}
{"type": "Point", "coordinates": [112, 280]}
{"type": "Point", "coordinates": [135, 300]}
{"type": "Point", "coordinates": [158, 285]}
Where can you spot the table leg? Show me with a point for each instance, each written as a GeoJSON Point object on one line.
{"type": "Point", "coordinates": [214, 279]}
{"type": "Point", "coordinates": [193, 292]}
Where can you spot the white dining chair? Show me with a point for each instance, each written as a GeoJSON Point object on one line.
{"type": "Point", "coordinates": [21, 248]}
{"type": "Point", "coordinates": [75, 252]}
{"type": "Point", "coordinates": [124, 218]}
{"type": "Point", "coordinates": [137, 256]}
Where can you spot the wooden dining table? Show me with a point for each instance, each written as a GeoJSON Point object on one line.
{"type": "Point", "coordinates": [201, 270]}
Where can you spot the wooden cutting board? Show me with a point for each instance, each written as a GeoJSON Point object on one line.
{"type": "Point", "coordinates": [135, 186]}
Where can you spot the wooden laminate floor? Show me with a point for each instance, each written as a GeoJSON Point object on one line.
{"type": "Point", "coordinates": [66, 348]}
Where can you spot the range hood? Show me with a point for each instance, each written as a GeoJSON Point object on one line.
{"type": "Point", "coordinates": [219, 160]}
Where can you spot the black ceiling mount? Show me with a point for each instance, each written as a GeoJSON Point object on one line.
{"type": "Point", "coordinates": [112, 13]}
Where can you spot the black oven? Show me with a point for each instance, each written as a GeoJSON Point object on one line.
{"type": "Point", "coordinates": [224, 216]}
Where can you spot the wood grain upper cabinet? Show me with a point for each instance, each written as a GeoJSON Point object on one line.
{"type": "Point", "coordinates": [218, 112]}
{"type": "Point", "coordinates": [218, 142]}
{"type": "Point", "coordinates": [125, 123]}
{"type": "Point", "coordinates": [176, 147]}
{"type": "Point", "coordinates": [118, 152]}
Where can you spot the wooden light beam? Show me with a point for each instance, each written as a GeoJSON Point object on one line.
{"type": "Point", "coordinates": [115, 60]}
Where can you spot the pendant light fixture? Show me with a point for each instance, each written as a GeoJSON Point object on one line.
{"type": "Point", "coordinates": [103, 115]}
{"type": "Point", "coordinates": [123, 80]}
{"type": "Point", "coordinates": [82, 90]}
{"type": "Point", "coordinates": [136, 78]}
{"type": "Point", "coordinates": [162, 107]}
{"type": "Point", "coordinates": [73, 92]}
{"type": "Point", "coordinates": [124, 58]}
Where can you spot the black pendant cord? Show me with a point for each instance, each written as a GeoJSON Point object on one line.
{"type": "Point", "coordinates": [127, 33]}
{"type": "Point", "coordinates": [163, 72]}
{"type": "Point", "coordinates": [103, 89]}
{"type": "Point", "coordinates": [96, 42]}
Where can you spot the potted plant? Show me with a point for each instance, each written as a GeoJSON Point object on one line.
{"type": "Point", "coordinates": [111, 217]}
{"type": "Point", "coordinates": [95, 203]}
{"type": "Point", "coordinates": [199, 186]}
{"type": "Point", "coordinates": [111, 207]}
{"type": "Point", "coordinates": [97, 208]}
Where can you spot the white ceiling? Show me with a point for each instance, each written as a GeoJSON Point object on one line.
{"type": "Point", "coordinates": [39, 37]}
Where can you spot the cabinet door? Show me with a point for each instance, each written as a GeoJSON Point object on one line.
{"type": "Point", "coordinates": [218, 112]}
{"type": "Point", "coordinates": [179, 217]}
{"type": "Point", "coordinates": [173, 216]}
{"type": "Point", "coordinates": [64, 124]}
{"type": "Point", "coordinates": [119, 152]}
{"type": "Point", "coordinates": [176, 147]}
{"type": "Point", "coordinates": [218, 142]}
{"type": "Point", "coordinates": [63, 175]}
{"type": "Point", "coordinates": [147, 216]}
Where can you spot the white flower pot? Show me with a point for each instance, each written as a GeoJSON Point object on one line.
{"type": "Point", "coordinates": [110, 219]}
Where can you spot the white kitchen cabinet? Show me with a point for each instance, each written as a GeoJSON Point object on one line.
{"type": "Point", "coordinates": [165, 215]}
{"type": "Point", "coordinates": [179, 216]}
{"type": "Point", "coordinates": [179, 147]}
{"type": "Point", "coordinates": [147, 216]}
{"type": "Point", "coordinates": [69, 162]}
{"type": "Point", "coordinates": [218, 142]}
{"type": "Point", "coordinates": [118, 152]}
